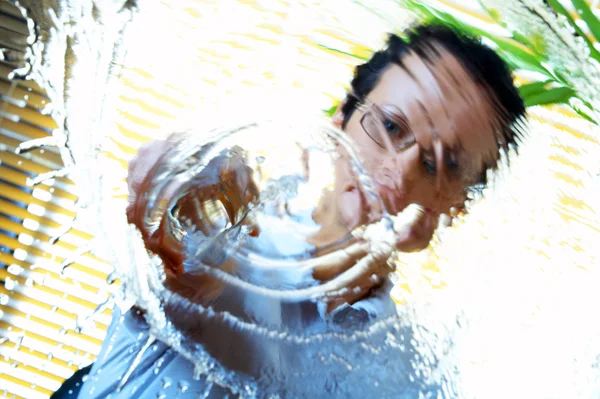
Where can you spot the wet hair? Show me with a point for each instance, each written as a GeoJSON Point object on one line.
{"type": "Point", "coordinates": [483, 65]}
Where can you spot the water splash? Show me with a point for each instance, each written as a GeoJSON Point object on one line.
{"type": "Point", "coordinates": [241, 225]}
{"type": "Point", "coordinates": [151, 339]}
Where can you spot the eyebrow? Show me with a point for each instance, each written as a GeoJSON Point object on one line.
{"type": "Point", "coordinates": [394, 111]}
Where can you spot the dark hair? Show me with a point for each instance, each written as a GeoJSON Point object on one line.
{"type": "Point", "coordinates": [482, 63]}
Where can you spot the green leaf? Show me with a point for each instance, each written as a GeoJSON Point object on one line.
{"type": "Point", "coordinates": [523, 52]}
{"type": "Point", "coordinates": [585, 116]}
{"type": "Point", "coordinates": [587, 15]}
{"type": "Point", "coordinates": [557, 95]}
{"type": "Point", "coordinates": [329, 112]}
{"type": "Point", "coordinates": [495, 15]}
{"type": "Point", "coordinates": [583, 110]}
{"type": "Point", "coordinates": [558, 7]}
{"type": "Point", "coordinates": [356, 56]}
{"type": "Point", "coordinates": [517, 55]}
{"type": "Point", "coordinates": [530, 89]}
{"type": "Point", "coordinates": [522, 39]}
{"type": "Point", "coordinates": [538, 93]}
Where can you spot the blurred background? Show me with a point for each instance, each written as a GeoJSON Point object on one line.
{"type": "Point", "coordinates": [84, 83]}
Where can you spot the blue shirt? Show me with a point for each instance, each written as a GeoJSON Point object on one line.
{"type": "Point", "coordinates": [161, 372]}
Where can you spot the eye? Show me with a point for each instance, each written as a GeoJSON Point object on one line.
{"type": "Point", "coordinates": [451, 161]}
{"type": "Point", "coordinates": [392, 128]}
{"type": "Point", "coordinates": [429, 165]}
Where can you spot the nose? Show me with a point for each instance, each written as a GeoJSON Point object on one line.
{"type": "Point", "coordinates": [404, 180]}
{"type": "Point", "coordinates": [399, 182]}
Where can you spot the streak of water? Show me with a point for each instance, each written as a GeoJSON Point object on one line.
{"type": "Point", "coordinates": [247, 231]}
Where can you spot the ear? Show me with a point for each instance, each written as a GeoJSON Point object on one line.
{"type": "Point", "coordinates": [338, 116]}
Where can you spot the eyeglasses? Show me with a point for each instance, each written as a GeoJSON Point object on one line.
{"type": "Point", "coordinates": [388, 128]}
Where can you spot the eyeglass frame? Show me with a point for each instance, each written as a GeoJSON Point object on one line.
{"type": "Point", "coordinates": [366, 107]}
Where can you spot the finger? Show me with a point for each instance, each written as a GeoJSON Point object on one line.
{"type": "Point", "coordinates": [337, 262]}
{"type": "Point", "coordinates": [362, 286]}
{"type": "Point", "coordinates": [414, 229]}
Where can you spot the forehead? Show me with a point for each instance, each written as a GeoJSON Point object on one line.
{"type": "Point", "coordinates": [441, 101]}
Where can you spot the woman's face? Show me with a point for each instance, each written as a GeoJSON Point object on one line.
{"type": "Point", "coordinates": [425, 135]}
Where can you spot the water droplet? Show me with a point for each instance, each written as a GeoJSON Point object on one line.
{"type": "Point", "coordinates": [50, 356]}
{"type": "Point", "coordinates": [112, 277]}
{"type": "Point", "coordinates": [3, 299]}
{"type": "Point", "coordinates": [9, 284]}
{"type": "Point", "coordinates": [183, 386]}
{"type": "Point", "coordinates": [198, 371]}
{"type": "Point", "coordinates": [206, 392]}
{"type": "Point", "coordinates": [161, 396]}
{"type": "Point", "coordinates": [19, 342]}
{"type": "Point", "coordinates": [166, 383]}
{"type": "Point", "coordinates": [260, 159]}
{"type": "Point", "coordinates": [15, 269]}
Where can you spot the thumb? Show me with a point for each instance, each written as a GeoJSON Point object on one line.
{"type": "Point", "coordinates": [414, 228]}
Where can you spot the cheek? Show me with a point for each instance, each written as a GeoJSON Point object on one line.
{"type": "Point", "coordinates": [452, 195]}
{"type": "Point", "coordinates": [366, 147]}
{"type": "Point", "coordinates": [398, 178]}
